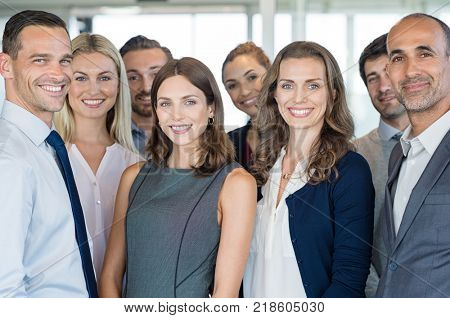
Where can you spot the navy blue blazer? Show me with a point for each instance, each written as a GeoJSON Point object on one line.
{"type": "Point", "coordinates": [239, 139]}
{"type": "Point", "coordinates": [331, 228]}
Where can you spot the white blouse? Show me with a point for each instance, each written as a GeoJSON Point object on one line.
{"type": "Point", "coordinates": [272, 269]}
{"type": "Point", "coordinates": [98, 193]}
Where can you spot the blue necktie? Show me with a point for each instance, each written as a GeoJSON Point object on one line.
{"type": "Point", "coordinates": [55, 140]}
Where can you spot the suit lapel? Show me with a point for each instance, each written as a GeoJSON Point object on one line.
{"type": "Point", "coordinates": [395, 162]}
{"type": "Point", "coordinates": [430, 175]}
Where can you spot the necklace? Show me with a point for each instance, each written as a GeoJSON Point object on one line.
{"type": "Point", "coordinates": [286, 175]}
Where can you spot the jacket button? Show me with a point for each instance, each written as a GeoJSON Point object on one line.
{"type": "Point", "coordinates": [299, 261]}
{"type": "Point", "coordinates": [291, 215]}
{"type": "Point", "coordinates": [392, 266]}
{"type": "Point", "coordinates": [305, 284]}
{"type": "Point", "coordinates": [294, 240]}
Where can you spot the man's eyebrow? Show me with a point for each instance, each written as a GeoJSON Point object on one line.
{"type": "Point", "coordinates": [424, 47]}
{"type": "Point", "coordinates": [396, 51]}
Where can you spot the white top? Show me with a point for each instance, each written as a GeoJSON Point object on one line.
{"type": "Point", "coordinates": [418, 152]}
{"type": "Point", "coordinates": [98, 193]}
{"type": "Point", "coordinates": [38, 248]}
{"type": "Point", "coordinates": [272, 269]}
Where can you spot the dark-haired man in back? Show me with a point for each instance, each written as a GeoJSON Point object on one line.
{"type": "Point", "coordinates": [377, 145]}
{"type": "Point", "coordinates": [44, 247]}
{"type": "Point", "coordinates": [143, 58]}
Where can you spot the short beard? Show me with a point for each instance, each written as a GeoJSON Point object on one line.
{"type": "Point", "coordinates": [423, 104]}
{"type": "Point", "coordinates": [136, 109]}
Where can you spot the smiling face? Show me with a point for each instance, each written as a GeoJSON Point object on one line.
{"type": "Point", "coordinates": [243, 82]}
{"type": "Point", "coordinates": [95, 85]}
{"type": "Point", "coordinates": [182, 111]}
{"type": "Point", "coordinates": [142, 66]}
{"type": "Point", "coordinates": [301, 92]}
{"type": "Point", "coordinates": [380, 88]}
{"type": "Point", "coordinates": [419, 66]}
{"type": "Point", "coordinates": [41, 73]}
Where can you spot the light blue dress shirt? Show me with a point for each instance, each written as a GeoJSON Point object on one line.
{"type": "Point", "coordinates": [38, 250]}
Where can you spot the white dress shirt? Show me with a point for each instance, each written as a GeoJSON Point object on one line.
{"type": "Point", "coordinates": [272, 269]}
{"type": "Point", "coordinates": [98, 193]}
{"type": "Point", "coordinates": [418, 152]}
{"type": "Point", "coordinates": [38, 249]}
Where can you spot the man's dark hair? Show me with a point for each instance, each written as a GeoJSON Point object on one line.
{"type": "Point", "coordinates": [11, 36]}
{"type": "Point", "coordinates": [374, 50]}
{"type": "Point", "coordinates": [441, 23]}
{"type": "Point", "coordinates": [141, 42]}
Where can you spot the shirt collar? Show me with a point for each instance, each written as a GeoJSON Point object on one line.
{"type": "Point", "coordinates": [430, 138]}
{"type": "Point", "coordinates": [386, 131]}
{"type": "Point", "coordinates": [136, 129]}
{"type": "Point", "coordinates": [33, 127]}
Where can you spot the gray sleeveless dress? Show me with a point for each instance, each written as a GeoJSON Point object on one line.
{"type": "Point", "coordinates": [172, 234]}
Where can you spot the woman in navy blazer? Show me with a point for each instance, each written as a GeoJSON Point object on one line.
{"type": "Point", "coordinates": [313, 230]}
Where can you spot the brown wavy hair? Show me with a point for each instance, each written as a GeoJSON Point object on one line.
{"type": "Point", "coordinates": [334, 139]}
{"type": "Point", "coordinates": [215, 148]}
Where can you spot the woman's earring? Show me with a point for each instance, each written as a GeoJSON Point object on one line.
{"type": "Point", "coordinates": [211, 121]}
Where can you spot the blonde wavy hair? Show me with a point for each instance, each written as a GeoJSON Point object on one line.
{"type": "Point", "coordinates": [337, 131]}
{"type": "Point", "coordinates": [118, 119]}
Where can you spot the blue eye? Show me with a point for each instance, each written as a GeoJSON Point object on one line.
{"type": "Point", "coordinates": [286, 86]}
{"type": "Point", "coordinates": [163, 104]}
{"type": "Point", "coordinates": [313, 86]}
{"type": "Point", "coordinates": [80, 78]}
{"type": "Point", "coordinates": [105, 78]}
{"type": "Point", "coordinates": [191, 102]}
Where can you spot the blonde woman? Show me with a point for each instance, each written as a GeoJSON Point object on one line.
{"type": "Point", "coordinates": [95, 123]}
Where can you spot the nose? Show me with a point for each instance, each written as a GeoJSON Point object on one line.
{"type": "Point", "coordinates": [244, 90]}
{"type": "Point", "coordinates": [147, 82]}
{"type": "Point", "coordinates": [385, 83]}
{"type": "Point", "coordinates": [93, 87]}
{"type": "Point", "coordinates": [177, 112]}
{"type": "Point", "coordinates": [300, 96]}
{"type": "Point", "coordinates": [58, 72]}
{"type": "Point", "coordinates": [411, 68]}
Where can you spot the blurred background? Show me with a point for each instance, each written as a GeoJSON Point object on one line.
{"type": "Point", "coordinates": [209, 29]}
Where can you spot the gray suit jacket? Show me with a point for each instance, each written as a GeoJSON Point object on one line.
{"type": "Point", "coordinates": [419, 255]}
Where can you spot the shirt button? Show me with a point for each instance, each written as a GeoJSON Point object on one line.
{"type": "Point", "coordinates": [98, 202]}
{"type": "Point", "coordinates": [305, 284]}
{"type": "Point", "coordinates": [94, 183]}
{"type": "Point", "coordinates": [294, 240]}
{"type": "Point", "coordinates": [392, 266]}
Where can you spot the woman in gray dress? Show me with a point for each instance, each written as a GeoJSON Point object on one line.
{"type": "Point", "coordinates": [183, 220]}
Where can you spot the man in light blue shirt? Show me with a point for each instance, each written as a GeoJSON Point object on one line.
{"type": "Point", "coordinates": [39, 253]}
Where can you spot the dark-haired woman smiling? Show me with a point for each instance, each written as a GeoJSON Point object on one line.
{"type": "Point", "coordinates": [185, 218]}
{"type": "Point", "coordinates": [242, 74]}
{"type": "Point", "coordinates": [313, 229]}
